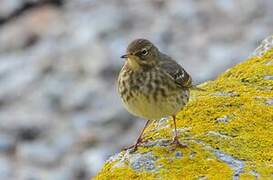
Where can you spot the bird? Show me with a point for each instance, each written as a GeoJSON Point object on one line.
{"type": "Point", "coordinates": [152, 85]}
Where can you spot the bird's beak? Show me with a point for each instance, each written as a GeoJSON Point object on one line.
{"type": "Point", "coordinates": [124, 56]}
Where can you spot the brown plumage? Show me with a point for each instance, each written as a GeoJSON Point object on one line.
{"type": "Point", "coordinates": [152, 85]}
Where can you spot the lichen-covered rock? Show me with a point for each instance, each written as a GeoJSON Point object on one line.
{"type": "Point", "coordinates": [228, 129]}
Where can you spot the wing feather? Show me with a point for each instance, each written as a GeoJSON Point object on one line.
{"type": "Point", "coordinates": [176, 72]}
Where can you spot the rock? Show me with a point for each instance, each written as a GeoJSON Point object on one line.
{"type": "Point", "coordinates": [59, 60]}
{"type": "Point", "coordinates": [23, 124]}
{"type": "Point", "coordinates": [94, 159]}
{"type": "Point", "coordinates": [6, 167]}
{"type": "Point", "coordinates": [70, 169]}
{"type": "Point", "coordinates": [265, 46]}
{"type": "Point", "coordinates": [269, 102]}
{"type": "Point", "coordinates": [268, 77]}
{"type": "Point", "coordinates": [27, 30]}
{"type": "Point", "coordinates": [39, 153]}
{"type": "Point", "coordinates": [7, 143]}
{"type": "Point", "coordinates": [224, 119]}
{"type": "Point", "coordinates": [218, 147]}
{"type": "Point", "coordinates": [142, 162]}
{"type": "Point", "coordinates": [8, 7]}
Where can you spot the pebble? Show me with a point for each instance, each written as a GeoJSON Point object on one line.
{"type": "Point", "coordinates": [39, 153]}
{"type": "Point", "coordinates": [94, 159]}
{"type": "Point", "coordinates": [7, 143]}
{"type": "Point", "coordinates": [6, 169]}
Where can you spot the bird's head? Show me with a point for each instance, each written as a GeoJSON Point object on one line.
{"type": "Point", "coordinates": [141, 53]}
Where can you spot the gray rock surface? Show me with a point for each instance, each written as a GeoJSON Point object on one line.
{"type": "Point", "coordinates": [59, 112]}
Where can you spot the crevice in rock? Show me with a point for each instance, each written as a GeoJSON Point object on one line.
{"type": "Point", "coordinates": [28, 5]}
{"type": "Point", "coordinates": [236, 164]}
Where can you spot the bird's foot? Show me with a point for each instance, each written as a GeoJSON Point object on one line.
{"type": "Point", "coordinates": [177, 143]}
{"type": "Point", "coordinates": [133, 147]}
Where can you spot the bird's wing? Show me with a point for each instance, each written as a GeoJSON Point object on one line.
{"type": "Point", "coordinates": [176, 72]}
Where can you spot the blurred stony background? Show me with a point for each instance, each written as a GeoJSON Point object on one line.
{"type": "Point", "coordinates": [60, 116]}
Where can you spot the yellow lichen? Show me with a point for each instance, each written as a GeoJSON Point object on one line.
{"type": "Point", "coordinates": [230, 116]}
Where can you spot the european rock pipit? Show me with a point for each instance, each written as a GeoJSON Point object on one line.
{"type": "Point", "coordinates": [152, 85]}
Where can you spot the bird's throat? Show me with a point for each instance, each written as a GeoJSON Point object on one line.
{"type": "Point", "coordinates": [133, 64]}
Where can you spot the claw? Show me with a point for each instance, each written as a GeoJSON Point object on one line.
{"type": "Point", "coordinates": [139, 139]}
{"type": "Point", "coordinates": [134, 146]}
{"type": "Point", "coordinates": [176, 142]}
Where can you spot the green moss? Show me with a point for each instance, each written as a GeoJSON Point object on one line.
{"type": "Point", "coordinates": [230, 116]}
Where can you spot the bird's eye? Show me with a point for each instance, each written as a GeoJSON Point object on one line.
{"type": "Point", "coordinates": [144, 52]}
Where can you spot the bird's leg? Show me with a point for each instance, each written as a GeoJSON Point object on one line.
{"type": "Point", "coordinates": [139, 139]}
{"type": "Point", "coordinates": [175, 139]}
